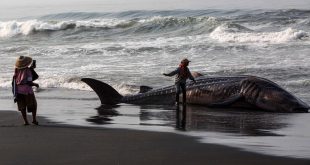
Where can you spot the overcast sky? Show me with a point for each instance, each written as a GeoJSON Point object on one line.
{"type": "Point", "coordinates": [21, 8]}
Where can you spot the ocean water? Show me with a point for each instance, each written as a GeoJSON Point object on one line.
{"type": "Point", "coordinates": [132, 48]}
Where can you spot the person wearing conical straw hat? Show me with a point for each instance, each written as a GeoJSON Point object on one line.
{"type": "Point", "coordinates": [23, 80]}
{"type": "Point", "coordinates": [182, 74]}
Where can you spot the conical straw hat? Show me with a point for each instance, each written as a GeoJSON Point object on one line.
{"type": "Point", "coordinates": [23, 62]}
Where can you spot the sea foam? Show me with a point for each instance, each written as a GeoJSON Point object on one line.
{"type": "Point", "coordinates": [73, 83]}
{"type": "Point", "coordinates": [224, 34]}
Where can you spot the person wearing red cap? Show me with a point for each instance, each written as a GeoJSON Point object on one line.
{"type": "Point", "coordinates": [182, 74]}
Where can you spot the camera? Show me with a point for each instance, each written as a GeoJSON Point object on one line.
{"type": "Point", "coordinates": [34, 65]}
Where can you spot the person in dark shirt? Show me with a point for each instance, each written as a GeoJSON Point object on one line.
{"type": "Point", "coordinates": [182, 74]}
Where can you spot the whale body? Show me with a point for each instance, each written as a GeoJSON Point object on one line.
{"type": "Point", "coordinates": [249, 92]}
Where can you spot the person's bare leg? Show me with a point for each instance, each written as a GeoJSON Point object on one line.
{"type": "Point", "coordinates": [24, 114]}
{"type": "Point", "coordinates": [34, 117]}
{"type": "Point", "coordinates": [34, 113]}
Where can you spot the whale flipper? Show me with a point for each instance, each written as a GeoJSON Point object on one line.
{"type": "Point", "coordinates": [107, 94]}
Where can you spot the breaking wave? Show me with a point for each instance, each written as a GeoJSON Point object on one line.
{"type": "Point", "coordinates": [253, 26]}
{"type": "Point", "coordinates": [13, 28]}
{"type": "Point", "coordinates": [225, 34]}
{"type": "Point", "coordinates": [149, 25]}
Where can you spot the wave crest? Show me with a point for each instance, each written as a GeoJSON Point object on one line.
{"type": "Point", "coordinates": [13, 28]}
{"type": "Point", "coordinates": [224, 33]}
{"type": "Point", "coordinates": [147, 25]}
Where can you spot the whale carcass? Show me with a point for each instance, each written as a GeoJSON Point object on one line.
{"type": "Point", "coordinates": [239, 92]}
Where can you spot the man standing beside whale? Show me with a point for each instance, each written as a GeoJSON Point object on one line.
{"type": "Point", "coordinates": [182, 74]}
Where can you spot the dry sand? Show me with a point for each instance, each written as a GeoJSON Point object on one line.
{"type": "Point", "coordinates": [54, 144]}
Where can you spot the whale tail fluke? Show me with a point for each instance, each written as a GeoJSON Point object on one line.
{"type": "Point", "coordinates": [107, 94]}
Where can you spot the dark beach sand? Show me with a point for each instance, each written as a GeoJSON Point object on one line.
{"type": "Point", "coordinates": [53, 144]}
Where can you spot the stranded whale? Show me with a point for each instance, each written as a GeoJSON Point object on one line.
{"type": "Point", "coordinates": [241, 92]}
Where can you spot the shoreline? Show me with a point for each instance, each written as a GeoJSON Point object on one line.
{"type": "Point", "coordinates": [52, 143]}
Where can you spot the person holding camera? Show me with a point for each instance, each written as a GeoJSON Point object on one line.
{"type": "Point", "coordinates": [23, 78]}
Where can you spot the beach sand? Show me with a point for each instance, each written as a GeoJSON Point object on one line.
{"type": "Point", "coordinates": [52, 143]}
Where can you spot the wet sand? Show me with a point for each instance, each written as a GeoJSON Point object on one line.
{"type": "Point", "coordinates": [52, 143]}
